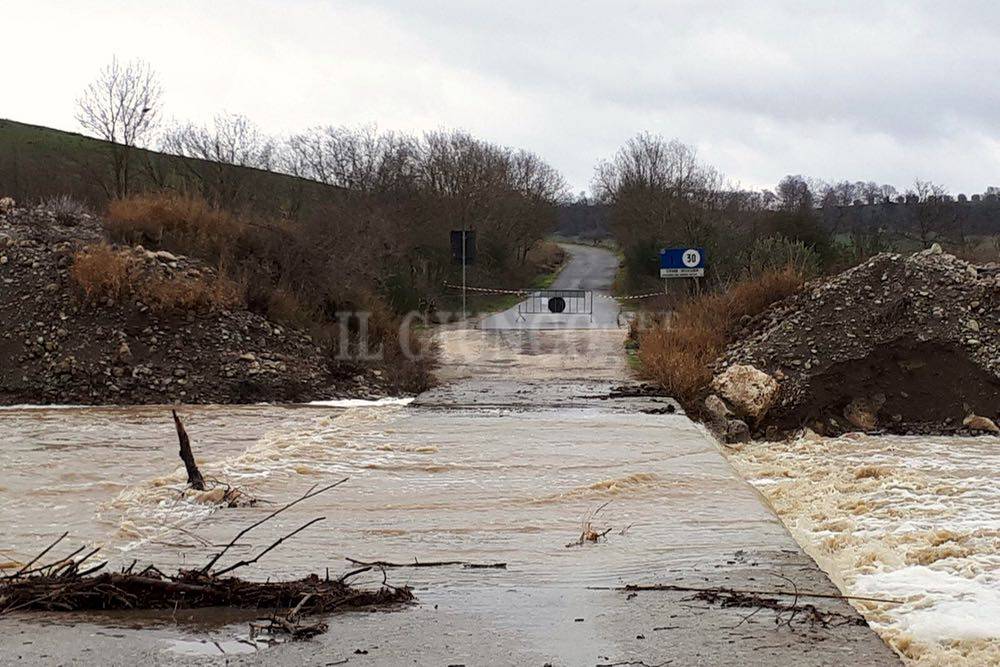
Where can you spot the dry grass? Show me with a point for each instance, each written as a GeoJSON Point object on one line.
{"type": "Point", "coordinates": [176, 222]}
{"type": "Point", "coordinates": [678, 353]}
{"type": "Point", "coordinates": [103, 272]}
{"type": "Point", "coordinates": [199, 294]}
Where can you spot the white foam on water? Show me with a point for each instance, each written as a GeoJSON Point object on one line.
{"type": "Point", "coordinates": [912, 519]}
{"type": "Point", "coordinates": [158, 506]}
{"type": "Point", "coordinates": [939, 605]}
{"type": "Point", "coordinates": [360, 402]}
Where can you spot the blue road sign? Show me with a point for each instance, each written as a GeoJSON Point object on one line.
{"type": "Point", "coordinates": [682, 262]}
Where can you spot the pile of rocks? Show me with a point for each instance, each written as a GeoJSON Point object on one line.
{"type": "Point", "coordinates": [900, 344]}
{"type": "Point", "coordinates": [55, 348]}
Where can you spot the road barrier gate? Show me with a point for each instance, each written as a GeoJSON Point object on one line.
{"type": "Point", "coordinates": [557, 302]}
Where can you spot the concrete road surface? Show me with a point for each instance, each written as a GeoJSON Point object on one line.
{"type": "Point", "coordinates": [590, 269]}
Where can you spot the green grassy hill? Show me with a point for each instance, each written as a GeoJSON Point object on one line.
{"type": "Point", "coordinates": [40, 162]}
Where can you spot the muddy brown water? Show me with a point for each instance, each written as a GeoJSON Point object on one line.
{"type": "Point", "coordinates": [482, 484]}
{"type": "Point", "coordinates": [489, 485]}
{"type": "Point", "coordinates": [915, 519]}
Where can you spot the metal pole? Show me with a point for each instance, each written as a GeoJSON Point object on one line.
{"type": "Point", "coordinates": [463, 271]}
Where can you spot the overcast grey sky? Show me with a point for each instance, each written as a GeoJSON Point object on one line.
{"type": "Point", "coordinates": [836, 90]}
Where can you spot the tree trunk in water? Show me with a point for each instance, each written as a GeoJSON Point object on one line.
{"type": "Point", "coordinates": [195, 479]}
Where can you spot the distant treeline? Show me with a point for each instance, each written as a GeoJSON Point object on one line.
{"type": "Point", "coordinates": [379, 206]}
{"type": "Point", "coordinates": [978, 215]}
{"type": "Point", "coordinates": [656, 193]}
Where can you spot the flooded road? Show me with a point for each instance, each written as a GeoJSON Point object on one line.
{"type": "Point", "coordinates": [505, 463]}
{"type": "Point", "coordinates": [909, 518]}
{"type": "Point", "coordinates": [492, 484]}
{"type": "Point", "coordinates": [465, 482]}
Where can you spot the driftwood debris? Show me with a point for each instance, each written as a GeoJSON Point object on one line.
{"type": "Point", "coordinates": [429, 563]}
{"type": "Point", "coordinates": [195, 479]}
{"type": "Point", "coordinates": [151, 589]}
{"type": "Point", "coordinates": [231, 497]}
{"type": "Point", "coordinates": [63, 585]}
{"type": "Point", "coordinates": [632, 588]}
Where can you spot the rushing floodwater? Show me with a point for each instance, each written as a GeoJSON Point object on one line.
{"type": "Point", "coordinates": [485, 485]}
{"type": "Point", "coordinates": [906, 518]}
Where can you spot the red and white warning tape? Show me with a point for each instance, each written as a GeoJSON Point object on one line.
{"type": "Point", "coordinates": [630, 297]}
{"type": "Point", "coordinates": [492, 290]}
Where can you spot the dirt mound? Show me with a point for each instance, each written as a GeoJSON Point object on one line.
{"type": "Point", "coordinates": [903, 344]}
{"type": "Point", "coordinates": [56, 348]}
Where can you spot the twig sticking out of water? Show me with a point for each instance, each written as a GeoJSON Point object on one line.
{"type": "Point", "coordinates": [195, 480]}
{"type": "Point", "coordinates": [256, 558]}
{"type": "Point", "coordinates": [589, 534]}
{"type": "Point", "coordinates": [24, 570]}
{"type": "Point", "coordinates": [430, 563]}
{"type": "Point", "coordinates": [231, 497]}
{"type": "Point", "coordinates": [312, 492]}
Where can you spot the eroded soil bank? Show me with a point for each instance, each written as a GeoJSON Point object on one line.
{"type": "Point", "coordinates": [899, 344]}
{"type": "Point", "coordinates": [57, 349]}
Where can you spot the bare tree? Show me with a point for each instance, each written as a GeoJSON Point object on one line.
{"type": "Point", "coordinates": [661, 194]}
{"type": "Point", "coordinates": [232, 141]}
{"type": "Point", "coordinates": [121, 106]}
{"type": "Point", "coordinates": [930, 211]}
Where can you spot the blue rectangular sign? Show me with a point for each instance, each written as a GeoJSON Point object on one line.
{"type": "Point", "coordinates": [682, 262]}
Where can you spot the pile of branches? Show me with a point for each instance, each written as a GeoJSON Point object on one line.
{"type": "Point", "coordinates": [68, 584]}
{"type": "Point", "coordinates": [67, 590]}
{"type": "Point", "coordinates": [802, 613]}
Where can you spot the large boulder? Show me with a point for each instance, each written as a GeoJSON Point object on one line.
{"type": "Point", "coordinates": [750, 392]}
{"type": "Point", "coordinates": [975, 422]}
{"type": "Point", "coordinates": [862, 412]}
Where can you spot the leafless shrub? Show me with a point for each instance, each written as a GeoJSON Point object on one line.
{"type": "Point", "coordinates": [66, 209]}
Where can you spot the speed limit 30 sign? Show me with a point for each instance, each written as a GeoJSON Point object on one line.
{"type": "Point", "coordinates": [682, 262]}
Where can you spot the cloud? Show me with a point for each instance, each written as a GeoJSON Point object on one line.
{"type": "Point", "coordinates": [882, 91]}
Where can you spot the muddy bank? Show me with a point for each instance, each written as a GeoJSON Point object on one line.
{"type": "Point", "coordinates": [55, 348]}
{"type": "Point", "coordinates": [899, 344]}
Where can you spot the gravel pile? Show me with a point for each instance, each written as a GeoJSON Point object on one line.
{"type": "Point", "coordinates": [54, 348]}
{"type": "Point", "coordinates": [900, 344]}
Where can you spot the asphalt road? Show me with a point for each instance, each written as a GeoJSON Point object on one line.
{"type": "Point", "coordinates": [591, 269]}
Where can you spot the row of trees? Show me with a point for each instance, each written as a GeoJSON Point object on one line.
{"type": "Point", "coordinates": [661, 194]}
{"type": "Point", "coordinates": [393, 199]}
{"type": "Point", "coordinates": [401, 192]}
